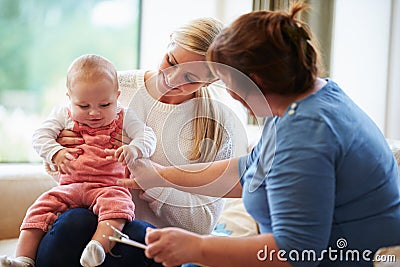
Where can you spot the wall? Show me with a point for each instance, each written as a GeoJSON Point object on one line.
{"type": "Point", "coordinates": [392, 127]}
{"type": "Point", "coordinates": [360, 53]}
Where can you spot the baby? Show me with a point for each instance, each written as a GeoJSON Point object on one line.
{"type": "Point", "coordinates": [90, 179]}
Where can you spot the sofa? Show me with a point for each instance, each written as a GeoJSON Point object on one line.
{"type": "Point", "coordinates": [21, 184]}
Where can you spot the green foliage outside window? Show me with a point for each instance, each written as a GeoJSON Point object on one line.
{"type": "Point", "coordinates": [38, 41]}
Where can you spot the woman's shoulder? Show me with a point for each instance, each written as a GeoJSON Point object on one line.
{"type": "Point", "coordinates": [129, 82]}
{"type": "Point", "coordinates": [130, 76]}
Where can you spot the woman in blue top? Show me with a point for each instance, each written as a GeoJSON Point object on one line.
{"type": "Point", "coordinates": [322, 181]}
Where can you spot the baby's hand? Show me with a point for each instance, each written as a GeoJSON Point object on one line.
{"type": "Point", "coordinates": [125, 154]}
{"type": "Point", "coordinates": [62, 159]}
{"type": "Point", "coordinates": [110, 153]}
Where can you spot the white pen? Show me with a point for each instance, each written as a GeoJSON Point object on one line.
{"type": "Point", "coordinates": [120, 237]}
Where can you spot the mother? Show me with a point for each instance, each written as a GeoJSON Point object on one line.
{"type": "Point", "coordinates": [190, 127]}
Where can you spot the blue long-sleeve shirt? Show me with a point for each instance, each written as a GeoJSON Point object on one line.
{"type": "Point", "coordinates": [323, 180]}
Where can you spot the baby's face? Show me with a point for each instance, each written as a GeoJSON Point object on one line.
{"type": "Point", "coordinates": [94, 102]}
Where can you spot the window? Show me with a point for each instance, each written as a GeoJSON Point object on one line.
{"type": "Point", "coordinates": [39, 39]}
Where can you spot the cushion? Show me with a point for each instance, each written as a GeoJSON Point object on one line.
{"type": "Point", "coordinates": [235, 221]}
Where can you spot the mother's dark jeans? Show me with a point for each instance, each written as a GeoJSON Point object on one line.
{"type": "Point", "coordinates": [62, 246]}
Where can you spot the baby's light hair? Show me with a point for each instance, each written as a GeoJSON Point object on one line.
{"type": "Point", "coordinates": [91, 67]}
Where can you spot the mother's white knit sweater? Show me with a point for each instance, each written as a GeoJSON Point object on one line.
{"type": "Point", "coordinates": [172, 125]}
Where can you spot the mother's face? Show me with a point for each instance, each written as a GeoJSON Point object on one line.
{"type": "Point", "coordinates": [181, 72]}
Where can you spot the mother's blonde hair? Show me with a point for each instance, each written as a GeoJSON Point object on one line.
{"type": "Point", "coordinates": [196, 37]}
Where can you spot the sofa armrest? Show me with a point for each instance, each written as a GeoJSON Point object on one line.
{"type": "Point", "coordinates": [20, 185]}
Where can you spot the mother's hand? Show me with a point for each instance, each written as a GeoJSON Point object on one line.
{"type": "Point", "coordinates": [68, 138]}
{"type": "Point", "coordinates": [71, 139]}
{"type": "Point", "coordinates": [120, 138]}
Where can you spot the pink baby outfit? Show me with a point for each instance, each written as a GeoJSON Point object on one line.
{"type": "Point", "coordinates": [92, 184]}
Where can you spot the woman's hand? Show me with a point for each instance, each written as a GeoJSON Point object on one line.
{"type": "Point", "coordinates": [146, 174]}
{"type": "Point", "coordinates": [172, 246]}
{"type": "Point", "coordinates": [69, 138]}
